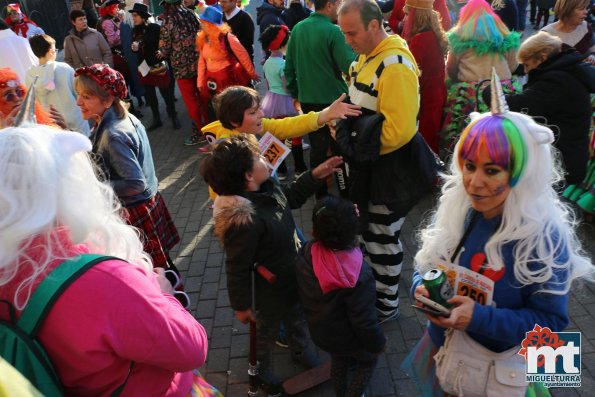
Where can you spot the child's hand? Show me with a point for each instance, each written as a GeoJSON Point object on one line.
{"type": "Point", "coordinates": [244, 316]}
{"type": "Point", "coordinates": [338, 110]}
{"type": "Point", "coordinates": [327, 168]}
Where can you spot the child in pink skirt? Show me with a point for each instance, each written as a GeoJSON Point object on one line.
{"type": "Point", "coordinates": [277, 102]}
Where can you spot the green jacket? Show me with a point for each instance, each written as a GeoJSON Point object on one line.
{"type": "Point", "coordinates": [316, 57]}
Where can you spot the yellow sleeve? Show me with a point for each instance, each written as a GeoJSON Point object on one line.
{"type": "Point", "coordinates": [398, 101]}
{"type": "Point", "coordinates": [13, 383]}
{"type": "Point", "coordinates": [291, 127]}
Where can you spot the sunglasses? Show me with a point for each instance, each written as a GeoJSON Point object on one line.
{"type": "Point", "coordinates": [175, 281]}
{"type": "Point", "coordinates": [13, 94]}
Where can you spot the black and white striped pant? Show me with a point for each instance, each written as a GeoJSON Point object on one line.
{"type": "Point", "coordinates": [385, 254]}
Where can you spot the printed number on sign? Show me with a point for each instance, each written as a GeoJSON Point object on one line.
{"type": "Point", "coordinates": [476, 294]}
{"type": "Point", "coordinates": [272, 153]}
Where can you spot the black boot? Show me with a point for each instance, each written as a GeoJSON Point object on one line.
{"type": "Point", "coordinates": [176, 122]}
{"type": "Point", "coordinates": [156, 123]}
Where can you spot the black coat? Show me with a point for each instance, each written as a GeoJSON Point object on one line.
{"type": "Point", "coordinates": [267, 15]}
{"type": "Point", "coordinates": [259, 228]}
{"type": "Point", "coordinates": [343, 320]}
{"type": "Point", "coordinates": [148, 38]}
{"type": "Point", "coordinates": [558, 94]}
{"type": "Point", "coordinates": [295, 14]}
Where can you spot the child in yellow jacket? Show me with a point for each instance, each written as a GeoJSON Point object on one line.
{"type": "Point", "coordinates": [238, 110]}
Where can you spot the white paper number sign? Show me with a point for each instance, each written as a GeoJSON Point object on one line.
{"type": "Point", "coordinates": [273, 150]}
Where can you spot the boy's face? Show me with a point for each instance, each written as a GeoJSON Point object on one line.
{"type": "Point", "coordinates": [252, 123]}
{"type": "Point", "coordinates": [51, 54]}
{"type": "Point", "coordinates": [259, 173]}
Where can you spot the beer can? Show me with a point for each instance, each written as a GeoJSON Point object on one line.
{"type": "Point", "coordinates": [438, 286]}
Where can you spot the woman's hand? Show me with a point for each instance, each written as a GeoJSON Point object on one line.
{"type": "Point", "coordinates": [338, 110]}
{"type": "Point", "coordinates": [421, 290]}
{"type": "Point", "coordinates": [8, 120]}
{"type": "Point", "coordinates": [57, 118]}
{"type": "Point", "coordinates": [590, 59]}
{"type": "Point", "coordinates": [327, 168]}
{"type": "Point", "coordinates": [244, 316]}
{"type": "Point", "coordinates": [460, 315]}
{"type": "Point", "coordinates": [164, 283]}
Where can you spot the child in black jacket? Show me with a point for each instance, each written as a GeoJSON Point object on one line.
{"type": "Point", "coordinates": [338, 294]}
{"type": "Point", "coordinates": [253, 221]}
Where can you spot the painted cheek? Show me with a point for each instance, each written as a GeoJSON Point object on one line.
{"type": "Point", "coordinates": [499, 189]}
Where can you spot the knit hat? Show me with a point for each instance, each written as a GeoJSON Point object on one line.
{"type": "Point", "coordinates": [109, 79]}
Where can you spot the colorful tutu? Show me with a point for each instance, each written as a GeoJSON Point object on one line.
{"type": "Point", "coordinates": [583, 194]}
{"type": "Point", "coordinates": [419, 365]}
{"type": "Point", "coordinates": [201, 388]}
{"type": "Point", "coordinates": [460, 102]}
{"type": "Point", "coordinates": [277, 106]}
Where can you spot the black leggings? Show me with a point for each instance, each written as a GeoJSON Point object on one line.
{"type": "Point", "coordinates": [168, 97]}
{"type": "Point", "coordinates": [545, 12]}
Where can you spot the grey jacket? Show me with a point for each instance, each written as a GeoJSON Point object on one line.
{"type": "Point", "coordinates": [92, 48]}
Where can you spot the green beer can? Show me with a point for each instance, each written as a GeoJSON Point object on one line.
{"type": "Point", "coordinates": [437, 285]}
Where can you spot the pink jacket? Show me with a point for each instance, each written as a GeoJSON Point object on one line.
{"type": "Point", "coordinates": [214, 62]}
{"type": "Point", "coordinates": [112, 32]}
{"type": "Point", "coordinates": [113, 314]}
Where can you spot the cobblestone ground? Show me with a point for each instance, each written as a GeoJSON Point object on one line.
{"type": "Point", "coordinates": [200, 259]}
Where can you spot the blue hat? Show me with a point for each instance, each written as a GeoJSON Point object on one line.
{"type": "Point", "coordinates": [213, 15]}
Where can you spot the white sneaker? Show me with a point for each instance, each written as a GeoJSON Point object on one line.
{"type": "Point", "coordinates": [305, 146]}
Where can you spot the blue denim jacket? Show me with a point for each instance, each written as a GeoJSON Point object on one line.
{"type": "Point", "coordinates": [123, 153]}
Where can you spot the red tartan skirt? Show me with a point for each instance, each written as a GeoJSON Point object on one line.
{"type": "Point", "coordinates": [159, 233]}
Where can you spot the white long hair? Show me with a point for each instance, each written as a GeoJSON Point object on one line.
{"type": "Point", "coordinates": [534, 218]}
{"type": "Point", "coordinates": [47, 183]}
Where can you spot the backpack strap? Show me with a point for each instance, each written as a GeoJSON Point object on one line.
{"type": "Point", "coordinates": [229, 49]}
{"type": "Point", "coordinates": [50, 289]}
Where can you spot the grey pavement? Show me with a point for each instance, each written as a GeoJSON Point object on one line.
{"type": "Point", "coordinates": [201, 262]}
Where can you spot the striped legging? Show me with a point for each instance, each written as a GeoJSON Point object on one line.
{"type": "Point", "coordinates": [385, 255]}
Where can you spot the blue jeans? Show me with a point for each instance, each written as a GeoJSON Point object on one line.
{"type": "Point", "coordinates": [522, 7]}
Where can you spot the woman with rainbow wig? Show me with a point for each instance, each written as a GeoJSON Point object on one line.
{"type": "Point", "coordinates": [478, 42]}
{"type": "Point", "coordinates": [500, 217]}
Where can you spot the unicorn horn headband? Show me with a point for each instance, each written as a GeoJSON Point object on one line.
{"type": "Point", "coordinates": [498, 102]}
{"type": "Point", "coordinates": [26, 114]}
